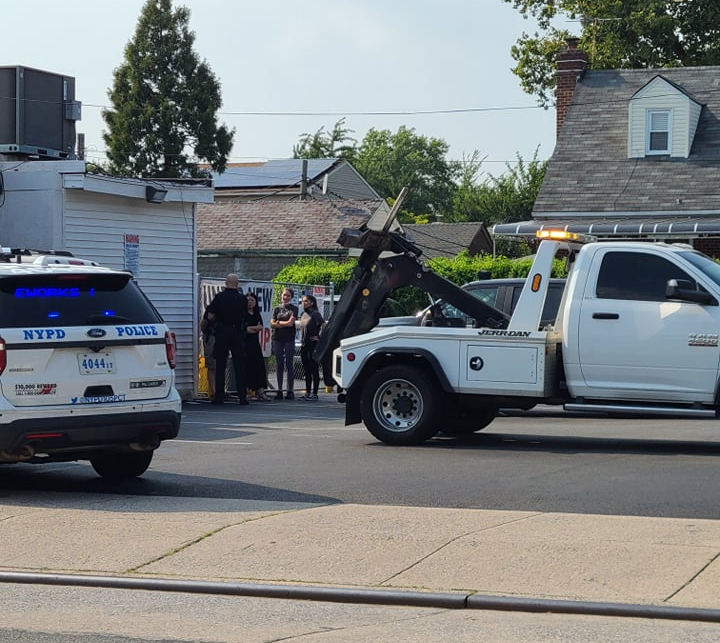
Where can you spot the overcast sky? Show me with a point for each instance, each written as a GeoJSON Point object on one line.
{"type": "Point", "coordinates": [319, 60]}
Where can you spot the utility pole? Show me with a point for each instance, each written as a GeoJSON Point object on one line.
{"type": "Point", "coordinates": [81, 146]}
{"type": "Point", "coordinates": [303, 180]}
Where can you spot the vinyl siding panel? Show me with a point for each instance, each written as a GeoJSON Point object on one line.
{"type": "Point", "coordinates": [95, 226]}
{"type": "Point", "coordinates": [694, 118]}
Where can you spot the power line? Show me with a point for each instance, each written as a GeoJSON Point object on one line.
{"type": "Point", "coordinates": [420, 112]}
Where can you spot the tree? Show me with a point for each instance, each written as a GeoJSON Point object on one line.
{"type": "Point", "coordinates": [502, 199]}
{"type": "Point", "coordinates": [163, 119]}
{"type": "Point", "coordinates": [389, 162]}
{"type": "Point", "coordinates": [465, 206]}
{"type": "Point", "coordinates": [336, 144]}
{"type": "Point", "coordinates": [617, 35]}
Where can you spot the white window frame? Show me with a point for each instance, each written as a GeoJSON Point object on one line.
{"type": "Point", "coordinates": [651, 128]}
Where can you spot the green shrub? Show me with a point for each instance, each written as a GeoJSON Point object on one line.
{"type": "Point", "coordinates": [317, 271]}
{"type": "Point", "coordinates": [460, 270]}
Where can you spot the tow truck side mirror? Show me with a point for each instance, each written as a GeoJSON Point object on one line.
{"type": "Point", "coordinates": [686, 291]}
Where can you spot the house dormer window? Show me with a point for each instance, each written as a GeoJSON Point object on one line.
{"type": "Point", "coordinates": [662, 120]}
{"type": "Point", "coordinates": [658, 131]}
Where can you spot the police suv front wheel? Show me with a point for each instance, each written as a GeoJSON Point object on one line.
{"type": "Point", "coordinates": [399, 405]}
{"type": "Point", "coordinates": [122, 465]}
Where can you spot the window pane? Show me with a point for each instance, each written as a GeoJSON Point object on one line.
{"type": "Point", "coordinates": [72, 300]}
{"type": "Point", "coordinates": [635, 275]}
{"type": "Point", "coordinates": [659, 121]}
{"type": "Point", "coordinates": [658, 141]}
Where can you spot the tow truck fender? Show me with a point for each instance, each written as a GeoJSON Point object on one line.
{"type": "Point", "coordinates": [379, 357]}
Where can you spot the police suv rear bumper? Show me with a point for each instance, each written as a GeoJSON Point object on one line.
{"type": "Point", "coordinates": [75, 437]}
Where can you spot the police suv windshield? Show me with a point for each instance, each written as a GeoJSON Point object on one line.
{"type": "Point", "coordinates": [73, 300]}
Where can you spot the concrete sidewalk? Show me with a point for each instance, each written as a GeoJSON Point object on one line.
{"type": "Point", "coordinates": [652, 561]}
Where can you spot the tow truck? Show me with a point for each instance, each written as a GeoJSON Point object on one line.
{"type": "Point", "coordinates": [636, 333]}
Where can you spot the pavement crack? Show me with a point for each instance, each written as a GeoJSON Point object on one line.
{"type": "Point", "coordinates": [692, 578]}
{"type": "Point", "coordinates": [455, 539]}
{"type": "Point", "coordinates": [332, 630]}
{"type": "Point", "coordinates": [195, 541]}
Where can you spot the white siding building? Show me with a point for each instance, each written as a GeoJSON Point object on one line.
{"type": "Point", "coordinates": [55, 205]}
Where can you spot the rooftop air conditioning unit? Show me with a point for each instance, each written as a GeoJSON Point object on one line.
{"type": "Point", "coordinates": [38, 111]}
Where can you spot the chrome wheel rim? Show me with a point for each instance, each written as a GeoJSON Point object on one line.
{"type": "Point", "coordinates": [398, 405]}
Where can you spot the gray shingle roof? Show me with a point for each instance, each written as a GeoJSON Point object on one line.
{"type": "Point", "coordinates": [589, 172]}
{"type": "Point", "coordinates": [448, 239]}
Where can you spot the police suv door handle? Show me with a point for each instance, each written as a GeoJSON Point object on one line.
{"type": "Point", "coordinates": [606, 316]}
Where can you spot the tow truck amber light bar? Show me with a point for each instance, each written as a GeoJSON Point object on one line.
{"type": "Point", "coordinates": [564, 235]}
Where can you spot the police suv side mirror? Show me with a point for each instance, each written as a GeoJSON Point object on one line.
{"type": "Point", "coordinates": [686, 290]}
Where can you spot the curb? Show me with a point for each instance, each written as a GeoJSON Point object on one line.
{"type": "Point", "coordinates": [370, 596]}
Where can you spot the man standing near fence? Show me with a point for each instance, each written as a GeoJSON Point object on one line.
{"type": "Point", "coordinates": [228, 310]}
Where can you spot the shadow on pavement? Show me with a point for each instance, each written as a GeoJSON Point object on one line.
{"type": "Point", "coordinates": [572, 445]}
{"type": "Point", "coordinates": [78, 478]}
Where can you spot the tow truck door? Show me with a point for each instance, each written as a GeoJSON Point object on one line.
{"type": "Point", "coordinates": [634, 343]}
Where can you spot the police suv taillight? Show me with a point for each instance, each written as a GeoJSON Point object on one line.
{"type": "Point", "coordinates": [3, 356]}
{"type": "Point", "coordinates": [170, 349]}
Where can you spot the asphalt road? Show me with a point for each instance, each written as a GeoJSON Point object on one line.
{"type": "Point", "coordinates": [543, 460]}
{"type": "Point", "coordinates": [299, 451]}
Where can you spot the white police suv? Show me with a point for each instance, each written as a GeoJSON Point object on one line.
{"type": "Point", "coordinates": [86, 366]}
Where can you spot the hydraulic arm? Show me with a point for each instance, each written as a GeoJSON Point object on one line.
{"type": "Point", "coordinates": [374, 278]}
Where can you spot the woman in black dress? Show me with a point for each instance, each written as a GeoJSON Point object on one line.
{"type": "Point", "coordinates": [254, 360]}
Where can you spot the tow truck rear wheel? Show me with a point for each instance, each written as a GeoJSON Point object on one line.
{"type": "Point", "coordinates": [399, 405]}
{"type": "Point", "coordinates": [122, 465]}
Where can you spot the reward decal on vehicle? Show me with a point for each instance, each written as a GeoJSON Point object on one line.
{"type": "Point", "coordinates": [136, 331]}
{"type": "Point", "coordinates": [98, 399]}
{"type": "Point", "coordinates": [35, 389]}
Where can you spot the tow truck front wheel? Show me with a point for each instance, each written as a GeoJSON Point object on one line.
{"type": "Point", "coordinates": [399, 406]}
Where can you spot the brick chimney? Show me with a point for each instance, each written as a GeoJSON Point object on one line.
{"type": "Point", "coordinates": [571, 64]}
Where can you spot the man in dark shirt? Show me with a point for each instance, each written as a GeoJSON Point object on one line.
{"type": "Point", "coordinates": [228, 310]}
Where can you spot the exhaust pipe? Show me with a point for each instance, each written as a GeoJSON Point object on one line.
{"type": "Point", "coordinates": [151, 443]}
{"type": "Point", "coordinates": [25, 453]}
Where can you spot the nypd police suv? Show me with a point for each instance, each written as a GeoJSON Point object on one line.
{"type": "Point", "coordinates": [86, 366]}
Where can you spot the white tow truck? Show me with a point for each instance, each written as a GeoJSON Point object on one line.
{"type": "Point", "coordinates": [636, 333]}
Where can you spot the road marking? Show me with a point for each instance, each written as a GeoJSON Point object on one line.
{"type": "Point", "coordinates": [215, 442]}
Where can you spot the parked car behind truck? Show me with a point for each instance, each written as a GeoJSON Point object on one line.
{"type": "Point", "coordinates": [502, 294]}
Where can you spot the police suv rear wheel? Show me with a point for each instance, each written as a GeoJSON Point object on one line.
{"type": "Point", "coordinates": [399, 405]}
{"type": "Point", "coordinates": [122, 465]}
